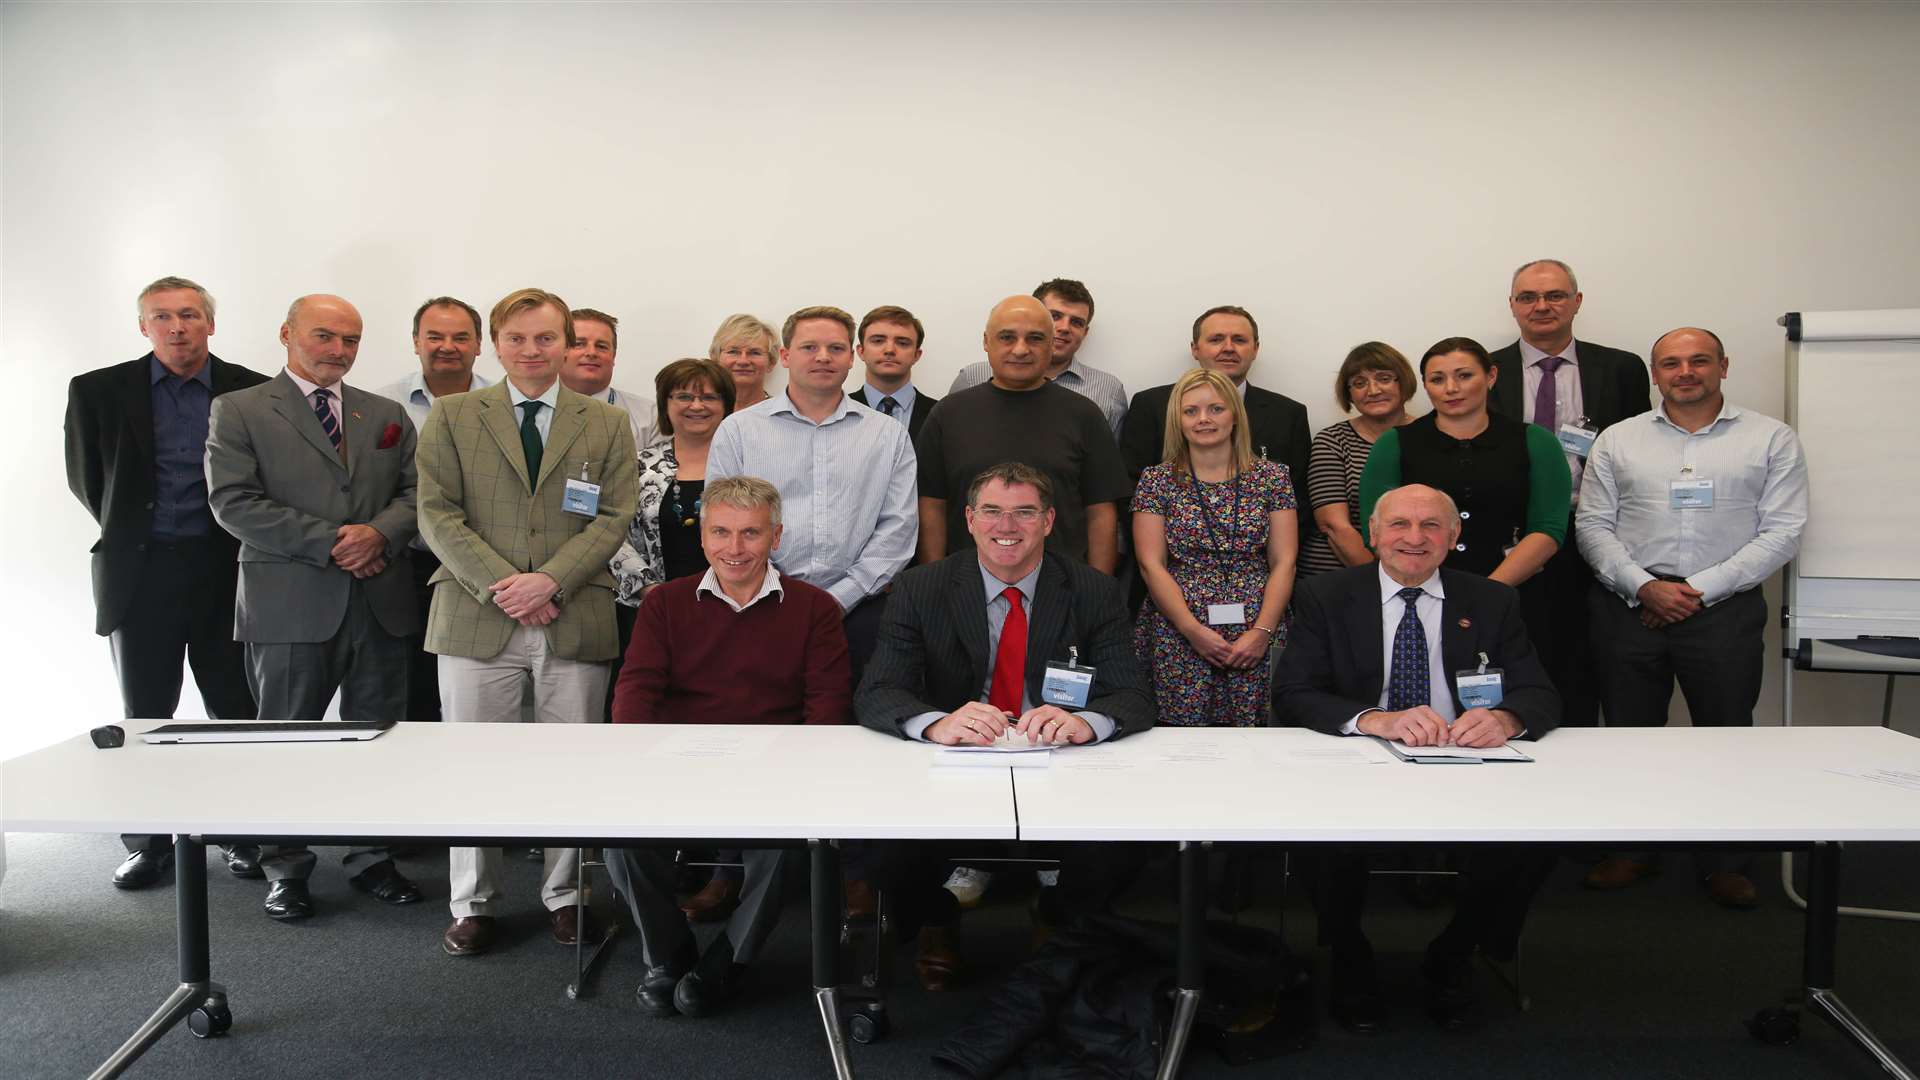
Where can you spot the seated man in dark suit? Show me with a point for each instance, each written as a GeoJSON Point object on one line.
{"type": "Point", "coordinates": [741, 644]}
{"type": "Point", "coordinates": [1373, 651]}
{"type": "Point", "coordinates": [965, 648]}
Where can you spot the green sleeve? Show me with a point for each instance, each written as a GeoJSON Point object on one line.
{"type": "Point", "coordinates": [1380, 475]}
{"type": "Point", "coordinates": [1549, 484]}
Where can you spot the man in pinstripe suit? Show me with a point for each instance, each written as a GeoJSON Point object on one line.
{"type": "Point", "coordinates": [525, 490]}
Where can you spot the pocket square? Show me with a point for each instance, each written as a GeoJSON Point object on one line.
{"type": "Point", "coordinates": [390, 438]}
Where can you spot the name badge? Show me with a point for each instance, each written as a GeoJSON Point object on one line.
{"type": "Point", "coordinates": [581, 498]}
{"type": "Point", "coordinates": [1577, 440]}
{"type": "Point", "coordinates": [1690, 495]}
{"type": "Point", "coordinates": [1479, 689]}
{"type": "Point", "coordinates": [1226, 614]}
{"type": "Point", "coordinates": [1067, 685]}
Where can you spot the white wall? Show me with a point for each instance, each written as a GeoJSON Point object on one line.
{"type": "Point", "coordinates": [1346, 171]}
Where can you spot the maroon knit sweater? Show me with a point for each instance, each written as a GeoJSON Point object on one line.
{"type": "Point", "coordinates": [694, 660]}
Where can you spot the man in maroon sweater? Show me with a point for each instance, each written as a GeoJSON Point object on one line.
{"type": "Point", "coordinates": [700, 655]}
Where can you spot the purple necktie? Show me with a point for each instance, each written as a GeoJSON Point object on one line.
{"type": "Point", "coordinates": [1545, 404]}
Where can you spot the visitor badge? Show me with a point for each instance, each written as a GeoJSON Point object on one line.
{"type": "Point", "coordinates": [1577, 437]}
{"type": "Point", "coordinates": [1067, 685]}
{"type": "Point", "coordinates": [1690, 495]}
{"type": "Point", "coordinates": [581, 497]}
{"type": "Point", "coordinates": [1226, 614]}
{"type": "Point", "coordinates": [1479, 688]}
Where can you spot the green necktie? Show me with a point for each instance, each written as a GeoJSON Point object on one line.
{"type": "Point", "coordinates": [530, 442]}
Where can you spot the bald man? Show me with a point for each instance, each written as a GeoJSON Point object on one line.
{"type": "Point", "coordinates": [1019, 415]}
{"type": "Point", "coordinates": [315, 478]}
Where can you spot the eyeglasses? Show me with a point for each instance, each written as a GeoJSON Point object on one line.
{"type": "Point", "coordinates": [1025, 515]}
{"type": "Point", "coordinates": [684, 398]}
{"type": "Point", "coordinates": [1372, 378]}
{"type": "Point", "coordinates": [1556, 298]}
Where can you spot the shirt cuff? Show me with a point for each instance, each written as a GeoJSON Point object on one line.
{"type": "Point", "coordinates": [848, 592]}
{"type": "Point", "coordinates": [1352, 726]}
{"type": "Point", "coordinates": [1713, 584]}
{"type": "Point", "coordinates": [1101, 723]}
{"type": "Point", "coordinates": [915, 727]}
{"type": "Point", "coordinates": [1632, 580]}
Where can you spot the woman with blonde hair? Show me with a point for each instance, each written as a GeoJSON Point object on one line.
{"type": "Point", "coordinates": [1215, 537]}
{"type": "Point", "coordinates": [748, 348]}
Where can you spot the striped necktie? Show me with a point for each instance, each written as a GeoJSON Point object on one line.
{"type": "Point", "coordinates": [324, 411]}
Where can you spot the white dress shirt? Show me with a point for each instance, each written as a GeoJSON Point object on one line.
{"type": "Point", "coordinates": [903, 397]}
{"type": "Point", "coordinates": [849, 497]}
{"type": "Point", "coordinates": [413, 395]}
{"type": "Point", "coordinates": [1392, 610]}
{"type": "Point", "coordinates": [1630, 533]}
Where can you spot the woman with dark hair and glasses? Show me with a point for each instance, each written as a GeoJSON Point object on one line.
{"type": "Point", "coordinates": [1374, 384]}
{"type": "Point", "coordinates": [1509, 479]}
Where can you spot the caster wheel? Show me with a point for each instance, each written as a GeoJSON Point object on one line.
{"type": "Point", "coordinates": [1775, 1026]}
{"type": "Point", "coordinates": [209, 1021]}
{"type": "Point", "coordinates": [868, 1027]}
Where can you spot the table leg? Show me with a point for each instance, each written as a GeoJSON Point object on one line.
{"type": "Point", "coordinates": [1823, 920]}
{"type": "Point", "coordinates": [1191, 968]}
{"type": "Point", "coordinates": [198, 999]}
{"type": "Point", "coordinates": [827, 906]}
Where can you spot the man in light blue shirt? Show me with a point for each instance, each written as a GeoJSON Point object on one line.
{"type": "Point", "coordinates": [1684, 512]}
{"type": "Point", "coordinates": [846, 474]}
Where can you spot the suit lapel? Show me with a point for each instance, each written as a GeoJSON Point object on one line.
{"type": "Point", "coordinates": [496, 416]}
{"type": "Point", "coordinates": [361, 438]}
{"type": "Point", "coordinates": [1456, 640]}
{"type": "Point", "coordinates": [1046, 623]}
{"type": "Point", "coordinates": [1596, 397]}
{"type": "Point", "coordinates": [292, 405]}
{"type": "Point", "coordinates": [1512, 381]}
{"type": "Point", "coordinates": [1364, 629]}
{"type": "Point", "coordinates": [137, 400]}
{"type": "Point", "coordinates": [569, 421]}
{"type": "Point", "coordinates": [969, 600]}
{"type": "Point", "coordinates": [1262, 424]}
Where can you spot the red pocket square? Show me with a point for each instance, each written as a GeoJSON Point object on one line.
{"type": "Point", "coordinates": [390, 438]}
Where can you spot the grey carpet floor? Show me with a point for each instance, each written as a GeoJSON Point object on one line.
{"type": "Point", "coordinates": [1650, 982]}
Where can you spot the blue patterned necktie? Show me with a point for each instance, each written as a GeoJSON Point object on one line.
{"type": "Point", "coordinates": [1411, 682]}
{"type": "Point", "coordinates": [888, 406]}
{"type": "Point", "coordinates": [325, 412]}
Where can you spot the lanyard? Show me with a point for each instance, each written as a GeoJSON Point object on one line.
{"type": "Point", "coordinates": [1206, 516]}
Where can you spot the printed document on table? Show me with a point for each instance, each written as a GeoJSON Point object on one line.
{"type": "Point", "coordinates": [1326, 750]}
{"type": "Point", "coordinates": [1457, 753]}
{"type": "Point", "coordinates": [695, 742]}
{"type": "Point", "coordinates": [1191, 746]}
{"type": "Point", "coordinates": [1900, 778]}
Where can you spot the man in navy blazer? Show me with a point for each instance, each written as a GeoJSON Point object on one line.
{"type": "Point", "coordinates": [164, 571]}
{"type": "Point", "coordinates": [1551, 379]}
{"type": "Point", "coordinates": [1374, 651]}
{"type": "Point", "coordinates": [888, 342]}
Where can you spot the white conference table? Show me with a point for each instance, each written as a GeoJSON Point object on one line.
{"type": "Point", "coordinates": [1774, 787]}
{"type": "Point", "coordinates": [473, 784]}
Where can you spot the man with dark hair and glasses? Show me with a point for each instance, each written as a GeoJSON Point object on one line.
{"type": "Point", "coordinates": [1575, 389]}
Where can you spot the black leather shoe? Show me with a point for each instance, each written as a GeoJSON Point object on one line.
{"type": "Point", "coordinates": [1451, 1001]}
{"type": "Point", "coordinates": [655, 992]}
{"type": "Point", "coordinates": [288, 899]}
{"type": "Point", "coordinates": [384, 882]}
{"type": "Point", "coordinates": [711, 982]}
{"type": "Point", "coordinates": [1354, 997]}
{"type": "Point", "coordinates": [243, 861]}
{"type": "Point", "coordinates": [142, 868]}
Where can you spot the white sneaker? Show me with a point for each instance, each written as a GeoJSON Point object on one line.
{"type": "Point", "coordinates": [1048, 878]}
{"type": "Point", "coordinates": [968, 885]}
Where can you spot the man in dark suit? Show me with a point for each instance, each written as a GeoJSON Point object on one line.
{"type": "Point", "coordinates": [316, 478]}
{"type": "Point", "coordinates": [1375, 650]}
{"type": "Point", "coordinates": [163, 571]}
{"type": "Point", "coordinates": [889, 341]}
{"type": "Point", "coordinates": [967, 648]}
{"type": "Point", "coordinates": [1576, 390]}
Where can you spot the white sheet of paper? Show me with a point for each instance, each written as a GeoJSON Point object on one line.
{"type": "Point", "coordinates": [1100, 757]}
{"type": "Point", "coordinates": [1485, 753]}
{"type": "Point", "coordinates": [1329, 751]}
{"type": "Point", "coordinates": [694, 741]}
{"type": "Point", "coordinates": [1900, 778]}
{"type": "Point", "coordinates": [1009, 742]}
{"type": "Point", "coordinates": [1195, 747]}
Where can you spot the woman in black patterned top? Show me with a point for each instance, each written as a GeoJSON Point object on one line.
{"type": "Point", "coordinates": [1374, 382]}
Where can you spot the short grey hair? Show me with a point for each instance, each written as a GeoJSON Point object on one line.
{"type": "Point", "coordinates": [740, 492]}
{"type": "Point", "coordinates": [167, 284]}
{"type": "Point", "coordinates": [1572, 281]}
{"type": "Point", "coordinates": [1446, 500]}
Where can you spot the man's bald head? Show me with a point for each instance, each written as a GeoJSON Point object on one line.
{"type": "Point", "coordinates": [1019, 343]}
{"type": "Point", "coordinates": [1413, 530]}
{"type": "Point", "coordinates": [322, 336]}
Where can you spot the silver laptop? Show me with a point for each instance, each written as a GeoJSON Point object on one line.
{"type": "Point", "coordinates": [270, 731]}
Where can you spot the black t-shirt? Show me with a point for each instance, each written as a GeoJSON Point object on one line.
{"type": "Point", "coordinates": [1050, 428]}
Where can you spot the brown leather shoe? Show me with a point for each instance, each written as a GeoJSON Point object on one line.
{"type": "Point", "coordinates": [468, 936]}
{"type": "Point", "coordinates": [1731, 890]}
{"type": "Point", "coordinates": [713, 903]}
{"type": "Point", "coordinates": [861, 902]}
{"type": "Point", "coordinates": [1618, 872]}
{"type": "Point", "coordinates": [570, 925]}
{"type": "Point", "coordinates": [939, 962]}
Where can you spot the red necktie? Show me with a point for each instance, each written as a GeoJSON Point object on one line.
{"type": "Point", "coordinates": [1010, 659]}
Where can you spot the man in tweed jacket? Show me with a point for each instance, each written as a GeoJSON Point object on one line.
{"type": "Point", "coordinates": [526, 490]}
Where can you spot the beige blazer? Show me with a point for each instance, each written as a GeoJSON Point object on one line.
{"type": "Point", "coordinates": [486, 519]}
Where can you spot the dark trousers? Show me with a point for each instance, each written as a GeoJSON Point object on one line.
{"type": "Point", "coordinates": [645, 877]}
{"type": "Point", "coordinates": [296, 680]}
{"type": "Point", "coordinates": [1554, 607]}
{"type": "Point", "coordinates": [182, 612]}
{"type": "Point", "coordinates": [862, 625]}
{"type": "Point", "coordinates": [623, 620]}
{"type": "Point", "coordinates": [1500, 885]}
{"type": "Point", "coordinates": [423, 668]}
{"type": "Point", "coordinates": [1717, 656]}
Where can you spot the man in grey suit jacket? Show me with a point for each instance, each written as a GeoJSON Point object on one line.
{"type": "Point", "coordinates": [316, 480]}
